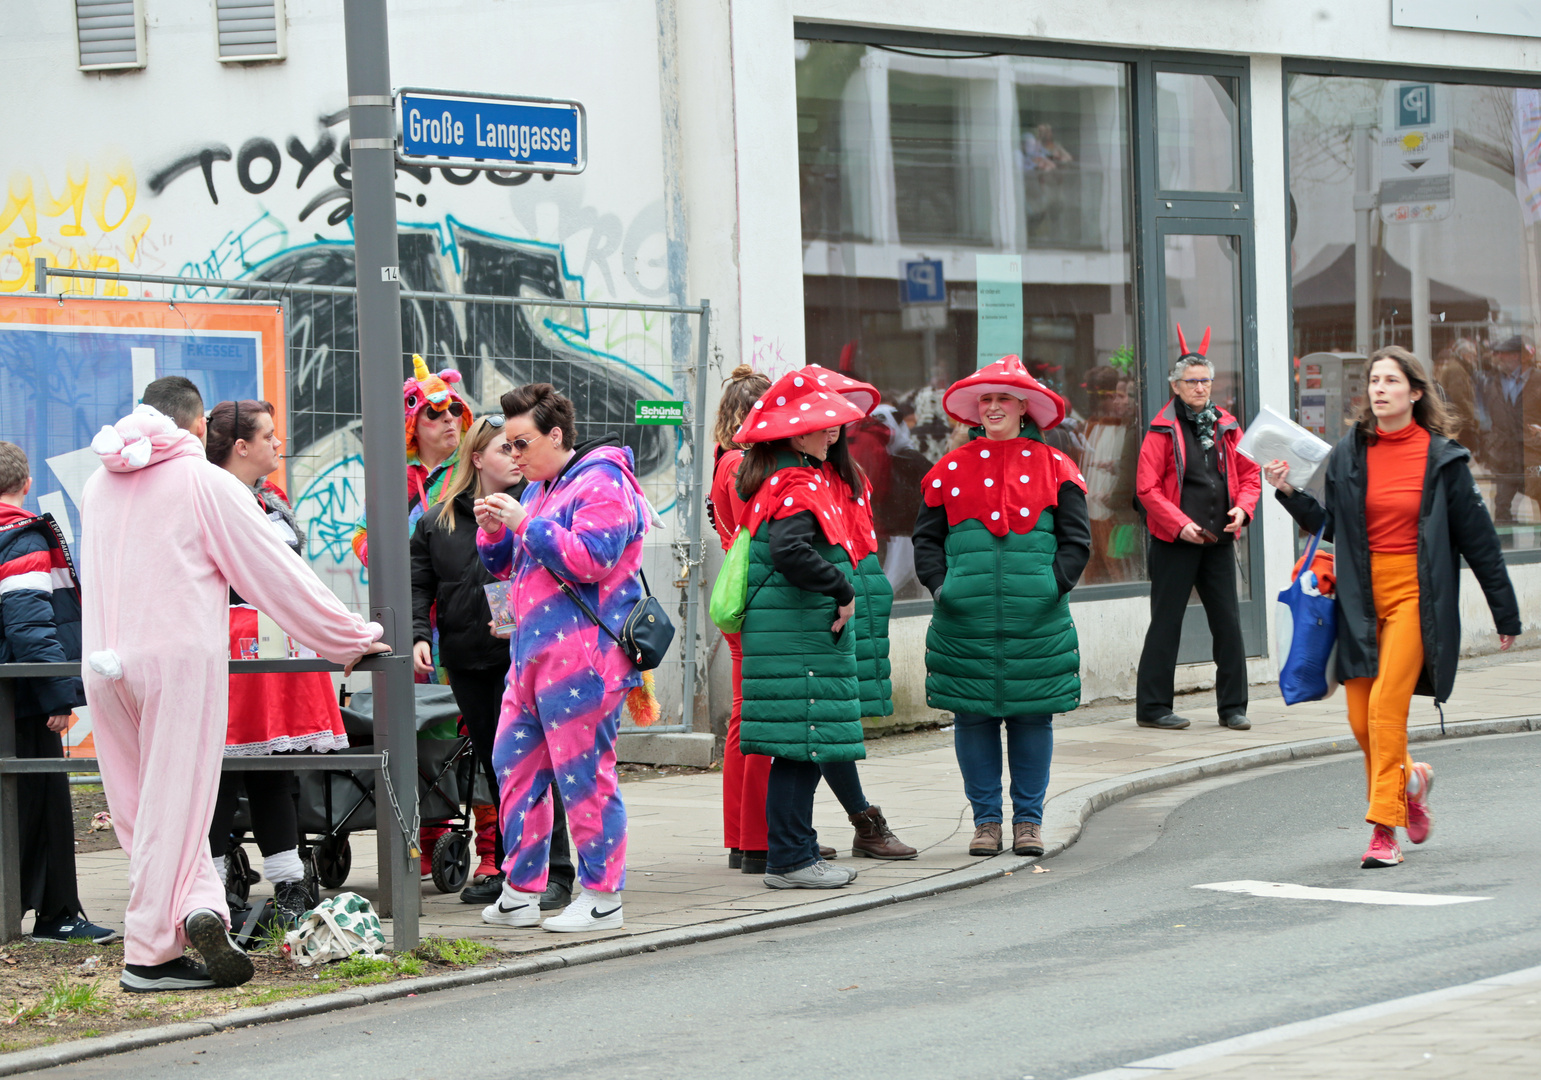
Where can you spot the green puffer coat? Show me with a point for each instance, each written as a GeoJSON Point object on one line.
{"type": "Point", "coordinates": [799, 684]}
{"type": "Point", "coordinates": [874, 604]}
{"type": "Point", "coordinates": [1001, 641]}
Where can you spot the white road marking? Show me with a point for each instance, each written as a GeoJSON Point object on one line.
{"type": "Point", "coordinates": [1286, 891]}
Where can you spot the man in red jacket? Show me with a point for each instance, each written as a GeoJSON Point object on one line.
{"type": "Point", "coordinates": [1197, 494]}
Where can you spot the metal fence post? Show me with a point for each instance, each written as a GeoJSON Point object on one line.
{"type": "Point", "coordinates": [10, 826]}
{"type": "Point", "coordinates": [372, 128]}
{"type": "Point", "coordinates": [696, 556]}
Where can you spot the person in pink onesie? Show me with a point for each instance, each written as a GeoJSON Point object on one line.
{"type": "Point", "coordinates": [165, 536]}
{"type": "Point", "coordinates": [580, 523]}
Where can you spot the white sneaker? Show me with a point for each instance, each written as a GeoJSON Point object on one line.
{"type": "Point", "coordinates": [588, 911]}
{"type": "Point", "coordinates": [513, 908]}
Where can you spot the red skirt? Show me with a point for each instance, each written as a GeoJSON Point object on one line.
{"type": "Point", "coordinates": [274, 712]}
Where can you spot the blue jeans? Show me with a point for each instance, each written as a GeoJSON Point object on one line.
{"type": "Point", "coordinates": [791, 842]}
{"type": "Point", "coordinates": [844, 781]}
{"type": "Point", "coordinates": [1029, 746]}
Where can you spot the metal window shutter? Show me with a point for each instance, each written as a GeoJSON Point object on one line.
{"type": "Point", "coordinates": [110, 33]}
{"type": "Point", "coordinates": [250, 29]}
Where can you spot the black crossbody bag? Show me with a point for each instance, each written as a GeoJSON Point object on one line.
{"type": "Point", "coordinates": [647, 632]}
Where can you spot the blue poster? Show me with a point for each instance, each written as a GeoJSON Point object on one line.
{"type": "Point", "coordinates": [63, 384]}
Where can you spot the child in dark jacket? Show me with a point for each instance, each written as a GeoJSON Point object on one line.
{"type": "Point", "coordinates": [40, 624]}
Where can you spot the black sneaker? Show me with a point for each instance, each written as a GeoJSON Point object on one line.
{"type": "Point", "coordinates": [227, 964]}
{"type": "Point", "coordinates": [485, 893]}
{"type": "Point", "coordinates": [70, 928]}
{"type": "Point", "coordinates": [557, 895]}
{"type": "Point", "coordinates": [291, 900]}
{"type": "Point", "coordinates": [183, 973]}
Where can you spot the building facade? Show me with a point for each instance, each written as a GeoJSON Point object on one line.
{"type": "Point", "coordinates": [901, 190]}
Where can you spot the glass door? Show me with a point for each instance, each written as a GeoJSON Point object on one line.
{"type": "Point", "coordinates": [1196, 183]}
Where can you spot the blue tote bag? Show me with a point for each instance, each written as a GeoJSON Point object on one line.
{"type": "Point", "coordinates": [1307, 636]}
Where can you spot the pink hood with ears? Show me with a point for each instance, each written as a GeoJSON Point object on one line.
{"type": "Point", "coordinates": [144, 437]}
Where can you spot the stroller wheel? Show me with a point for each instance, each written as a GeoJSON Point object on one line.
{"type": "Point", "coordinates": [332, 858]}
{"type": "Point", "coordinates": [238, 873]}
{"type": "Point", "coordinates": [451, 861]}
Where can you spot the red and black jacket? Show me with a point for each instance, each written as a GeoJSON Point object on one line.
{"type": "Point", "coordinates": [1159, 479]}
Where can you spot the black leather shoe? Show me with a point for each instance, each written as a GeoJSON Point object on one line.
{"type": "Point", "coordinates": [1171, 722]}
{"type": "Point", "coordinates": [754, 862]}
{"type": "Point", "coordinates": [483, 894]}
{"type": "Point", "coordinates": [735, 858]}
{"type": "Point", "coordinates": [1236, 722]}
{"type": "Point", "coordinates": [557, 895]}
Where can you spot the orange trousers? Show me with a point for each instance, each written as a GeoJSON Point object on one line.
{"type": "Point", "coordinates": [1377, 708]}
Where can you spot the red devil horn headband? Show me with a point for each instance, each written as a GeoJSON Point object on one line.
{"type": "Point", "coordinates": [1182, 344]}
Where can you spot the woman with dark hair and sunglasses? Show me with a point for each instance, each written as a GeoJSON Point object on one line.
{"type": "Point", "coordinates": [1401, 510]}
{"type": "Point", "coordinates": [272, 712]}
{"type": "Point", "coordinates": [448, 578]}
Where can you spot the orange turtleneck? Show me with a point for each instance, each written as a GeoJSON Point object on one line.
{"type": "Point", "coordinates": [1394, 494]}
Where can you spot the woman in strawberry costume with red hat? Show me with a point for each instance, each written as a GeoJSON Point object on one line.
{"type": "Point", "coordinates": [1001, 540]}
{"type": "Point", "coordinates": [801, 694]}
{"type": "Point", "coordinates": [874, 602]}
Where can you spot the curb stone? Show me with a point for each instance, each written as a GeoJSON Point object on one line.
{"type": "Point", "coordinates": [1064, 818]}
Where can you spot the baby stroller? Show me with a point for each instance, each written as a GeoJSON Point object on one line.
{"type": "Point", "coordinates": [335, 803]}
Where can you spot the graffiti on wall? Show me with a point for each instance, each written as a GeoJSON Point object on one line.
{"type": "Point", "coordinates": [279, 210]}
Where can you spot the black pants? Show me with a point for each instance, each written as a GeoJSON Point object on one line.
{"type": "Point", "coordinates": [46, 822]}
{"type": "Point", "coordinates": [479, 693]}
{"type": "Point", "coordinates": [271, 797]}
{"type": "Point", "coordinates": [792, 844]}
{"type": "Point", "coordinates": [1176, 569]}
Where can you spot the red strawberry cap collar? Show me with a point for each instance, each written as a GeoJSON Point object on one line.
{"type": "Point", "coordinates": [1006, 376]}
{"type": "Point", "coordinates": [796, 404]}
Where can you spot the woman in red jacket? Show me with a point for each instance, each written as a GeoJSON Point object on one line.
{"type": "Point", "coordinates": [743, 775]}
{"type": "Point", "coordinates": [1196, 494]}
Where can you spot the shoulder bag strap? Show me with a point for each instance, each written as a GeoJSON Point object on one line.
{"type": "Point", "coordinates": [572, 594]}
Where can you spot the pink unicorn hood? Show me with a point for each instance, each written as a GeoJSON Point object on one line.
{"type": "Point", "coordinates": [144, 437]}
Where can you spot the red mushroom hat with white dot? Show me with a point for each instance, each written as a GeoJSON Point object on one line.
{"type": "Point", "coordinates": [864, 396]}
{"type": "Point", "coordinates": [796, 404]}
{"type": "Point", "coordinates": [1006, 376]}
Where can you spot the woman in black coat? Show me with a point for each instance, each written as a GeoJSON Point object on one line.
{"type": "Point", "coordinates": [1401, 509]}
{"type": "Point", "coordinates": [448, 597]}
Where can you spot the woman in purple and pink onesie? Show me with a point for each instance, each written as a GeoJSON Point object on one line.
{"type": "Point", "coordinates": [580, 522]}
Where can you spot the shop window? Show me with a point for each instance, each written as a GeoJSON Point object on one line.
{"type": "Point", "coordinates": [1441, 183]}
{"type": "Point", "coordinates": [109, 34]}
{"type": "Point", "coordinates": [1004, 176]}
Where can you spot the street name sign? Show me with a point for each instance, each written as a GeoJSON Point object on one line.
{"type": "Point", "coordinates": [490, 131]}
{"type": "Point", "coordinates": [1416, 182]}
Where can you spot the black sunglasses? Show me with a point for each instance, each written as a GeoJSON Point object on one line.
{"type": "Point", "coordinates": [454, 408]}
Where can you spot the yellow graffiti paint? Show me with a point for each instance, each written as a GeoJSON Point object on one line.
{"type": "Point", "coordinates": [37, 223]}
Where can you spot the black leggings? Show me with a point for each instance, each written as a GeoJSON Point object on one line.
{"type": "Point", "coordinates": [271, 797]}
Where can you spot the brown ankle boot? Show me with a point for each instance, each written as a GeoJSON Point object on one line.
{"type": "Point", "coordinates": [1027, 838]}
{"type": "Point", "coordinates": [987, 839]}
{"type": "Point", "coordinates": [875, 839]}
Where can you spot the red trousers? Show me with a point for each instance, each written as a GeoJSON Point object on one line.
{"type": "Point", "coordinates": [744, 776]}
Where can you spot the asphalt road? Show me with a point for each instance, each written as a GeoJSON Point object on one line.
{"type": "Point", "coordinates": [1111, 957]}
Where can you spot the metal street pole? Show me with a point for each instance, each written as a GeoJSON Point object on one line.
{"type": "Point", "coordinates": [1364, 214]}
{"type": "Point", "coordinates": [372, 127]}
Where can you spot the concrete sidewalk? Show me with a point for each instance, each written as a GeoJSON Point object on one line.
{"type": "Point", "coordinates": [677, 873]}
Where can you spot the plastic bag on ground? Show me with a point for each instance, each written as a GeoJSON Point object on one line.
{"type": "Point", "coordinates": [335, 929]}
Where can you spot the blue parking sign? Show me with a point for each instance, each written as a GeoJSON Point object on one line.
{"type": "Point", "coordinates": [1415, 105]}
{"type": "Point", "coordinates": [923, 283]}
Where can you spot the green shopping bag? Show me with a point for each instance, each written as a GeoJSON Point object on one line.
{"type": "Point", "coordinates": [731, 590]}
